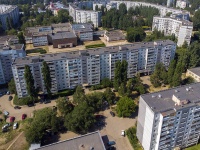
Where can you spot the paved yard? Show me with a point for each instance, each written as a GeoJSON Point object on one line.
{"type": "Point", "coordinates": [114, 43]}
{"type": "Point", "coordinates": [113, 128]}
{"type": "Point", "coordinates": [17, 113]}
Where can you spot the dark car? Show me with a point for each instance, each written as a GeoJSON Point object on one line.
{"type": "Point", "coordinates": [111, 143]}
{"type": "Point", "coordinates": [111, 148]}
{"type": "Point", "coordinates": [17, 107]}
{"type": "Point", "coordinates": [30, 105]}
{"type": "Point", "coordinates": [24, 116]}
{"type": "Point", "coordinates": [12, 119]}
{"type": "Point", "coordinates": [47, 101]}
{"type": "Point", "coordinates": [10, 98]}
{"type": "Point", "coordinates": [112, 113]}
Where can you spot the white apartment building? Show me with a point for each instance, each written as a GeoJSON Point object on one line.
{"type": "Point", "coordinates": [169, 119]}
{"type": "Point", "coordinates": [9, 11]}
{"type": "Point", "coordinates": [7, 55]}
{"type": "Point", "coordinates": [181, 4]}
{"type": "Point", "coordinates": [182, 29]}
{"type": "Point", "coordinates": [162, 9]}
{"type": "Point", "coordinates": [85, 16]}
{"type": "Point", "coordinates": [89, 67]}
{"type": "Point", "coordinates": [170, 3]}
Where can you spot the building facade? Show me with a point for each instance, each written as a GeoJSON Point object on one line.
{"type": "Point", "coordinates": [9, 11]}
{"type": "Point", "coordinates": [194, 73]}
{"type": "Point", "coordinates": [89, 67]}
{"type": "Point", "coordinates": [182, 29]}
{"type": "Point", "coordinates": [169, 119]}
{"type": "Point", "coordinates": [7, 55]}
{"type": "Point", "coordinates": [85, 16]}
{"type": "Point", "coordinates": [181, 3]}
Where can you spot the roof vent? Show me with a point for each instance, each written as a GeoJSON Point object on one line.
{"type": "Point", "coordinates": [152, 96]}
{"type": "Point", "coordinates": [91, 148]}
{"type": "Point", "coordinates": [190, 87]}
{"type": "Point", "coordinates": [176, 91]}
{"type": "Point", "coordinates": [159, 96]}
{"type": "Point", "coordinates": [187, 89]}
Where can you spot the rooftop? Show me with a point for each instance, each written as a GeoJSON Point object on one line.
{"type": "Point", "coordinates": [90, 141]}
{"type": "Point", "coordinates": [95, 51]}
{"type": "Point", "coordinates": [4, 39]}
{"type": "Point", "coordinates": [115, 33]}
{"type": "Point", "coordinates": [82, 27]}
{"type": "Point", "coordinates": [174, 98]}
{"type": "Point", "coordinates": [195, 70]}
{"type": "Point", "coordinates": [7, 8]}
{"type": "Point", "coordinates": [62, 35]}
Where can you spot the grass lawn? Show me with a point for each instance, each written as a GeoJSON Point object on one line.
{"type": "Point", "coordinates": [196, 147]}
{"type": "Point", "coordinates": [94, 44]}
{"type": "Point", "coordinates": [37, 50]}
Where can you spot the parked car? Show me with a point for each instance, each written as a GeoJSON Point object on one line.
{"type": "Point", "coordinates": [111, 148]}
{"type": "Point", "coordinates": [6, 125]}
{"type": "Point", "coordinates": [24, 116]}
{"type": "Point", "coordinates": [6, 113]}
{"type": "Point", "coordinates": [12, 119]}
{"type": "Point", "coordinates": [47, 101]}
{"type": "Point", "coordinates": [8, 92]}
{"type": "Point", "coordinates": [123, 133]}
{"type": "Point", "coordinates": [112, 113]}
{"type": "Point", "coordinates": [30, 105]}
{"type": "Point", "coordinates": [17, 107]}
{"type": "Point", "coordinates": [10, 98]}
{"type": "Point", "coordinates": [110, 143]}
{"type": "Point", "coordinates": [15, 125]}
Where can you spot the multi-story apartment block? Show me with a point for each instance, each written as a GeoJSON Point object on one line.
{"type": "Point", "coordinates": [89, 67]}
{"type": "Point", "coordinates": [169, 119]}
{"type": "Point", "coordinates": [170, 3]}
{"type": "Point", "coordinates": [9, 50]}
{"type": "Point", "coordinates": [182, 29]}
{"type": "Point", "coordinates": [9, 11]}
{"type": "Point", "coordinates": [162, 9]}
{"type": "Point", "coordinates": [85, 16]}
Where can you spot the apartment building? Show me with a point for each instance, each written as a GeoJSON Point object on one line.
{"type": "Point", "coordinates": [182, 29]}
{"type": "Point", "coordinates": [85, 16]}
{"type": "Point", "coordinates": [169, 119]}
{"type": "Point", "coordinates": [9, 50]}
{"type": "Point", "coordinates": [162, 9]}
{"type": "Point", "coordinates": [89, 67]}
{"type": "Point", "coordinates": [9, 11]}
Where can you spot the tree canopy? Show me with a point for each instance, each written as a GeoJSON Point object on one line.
{"type": "Point", "coordinates": [125, 107]}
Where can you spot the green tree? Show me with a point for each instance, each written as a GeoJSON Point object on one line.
{"type": "Point", "coordinates": [12, 87]}
{"type": "Point", "coordinates": [122, 89]}
{"type": "Point", "coordinates": [42, 120]}
{"type": "Point", "coordinates": [196, 20]}
{"type": "Point", "coordinates": [125, 107]}
{"type": "Point", "coordinates": [109, 96]}
{"type": "Point", "coordinates": [47, 77]}
{"type": "Point", "coordinates": [80, 119]}
{"type": "Point", "coordinates": [96, 8]}
{"type": "Point", "coordinates": [135, 34]}
{"type": "Point", "coordinates": [122, 9]}
{"type": "Point", "coordinates": [79, 95]}
{"type": "Point", "coordinates": [64, 106]}
{"type": "Point", "coordinates": [29, 83]}
{"type": "Point", "coordinates": [106, 82]}
{"type": "Point", "coordinates": [21, 38]}
{"type": "Point", "coordinates": [177, 75]}
{"type": "Point", "coordinates": [117, 77]}
{"type": "Point", "coordinates": [170, 72]}
{"type": "Point", "coordinates": [7, 24]}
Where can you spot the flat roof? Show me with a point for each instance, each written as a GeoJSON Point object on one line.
{"type": "Point", "coordinates": [162, 101]}
{"type": "Point", "coordinates": [115, 33]}
{"type": "Point", "coordinates": [94, 51]}
{"type": "Point", "coordinates": [195, 70]}
{"type": "Point", "coordinates": [62, 35]}
{"type": "Point", "coordinates": [83, 142]}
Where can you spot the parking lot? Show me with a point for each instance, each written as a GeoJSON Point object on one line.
{"type": "Point", "coordinates": [112, 130]}
{"type": "Point", "coordinates": [6, 105]}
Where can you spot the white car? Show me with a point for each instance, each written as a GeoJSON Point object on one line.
{"type": "Point", "coordinates": [6, 113]}
{"type": "Point", "coordinates": [123, 133]}
{"type": "Point", "coordinates": [5, 126]}
{"type": "Point", "coordinates": [15, 125]}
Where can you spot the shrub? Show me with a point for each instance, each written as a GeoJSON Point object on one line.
{"type": "Point", "coordinates": [38, 50]}
{"type": "Point", "coordinates": [95, 46]}
{"type": "Point", "coordinates": [131, 133]}
{"type": "Point", "coordinates": [22, 101]}
{"type": "Point", "coordinates": [63, 93]}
